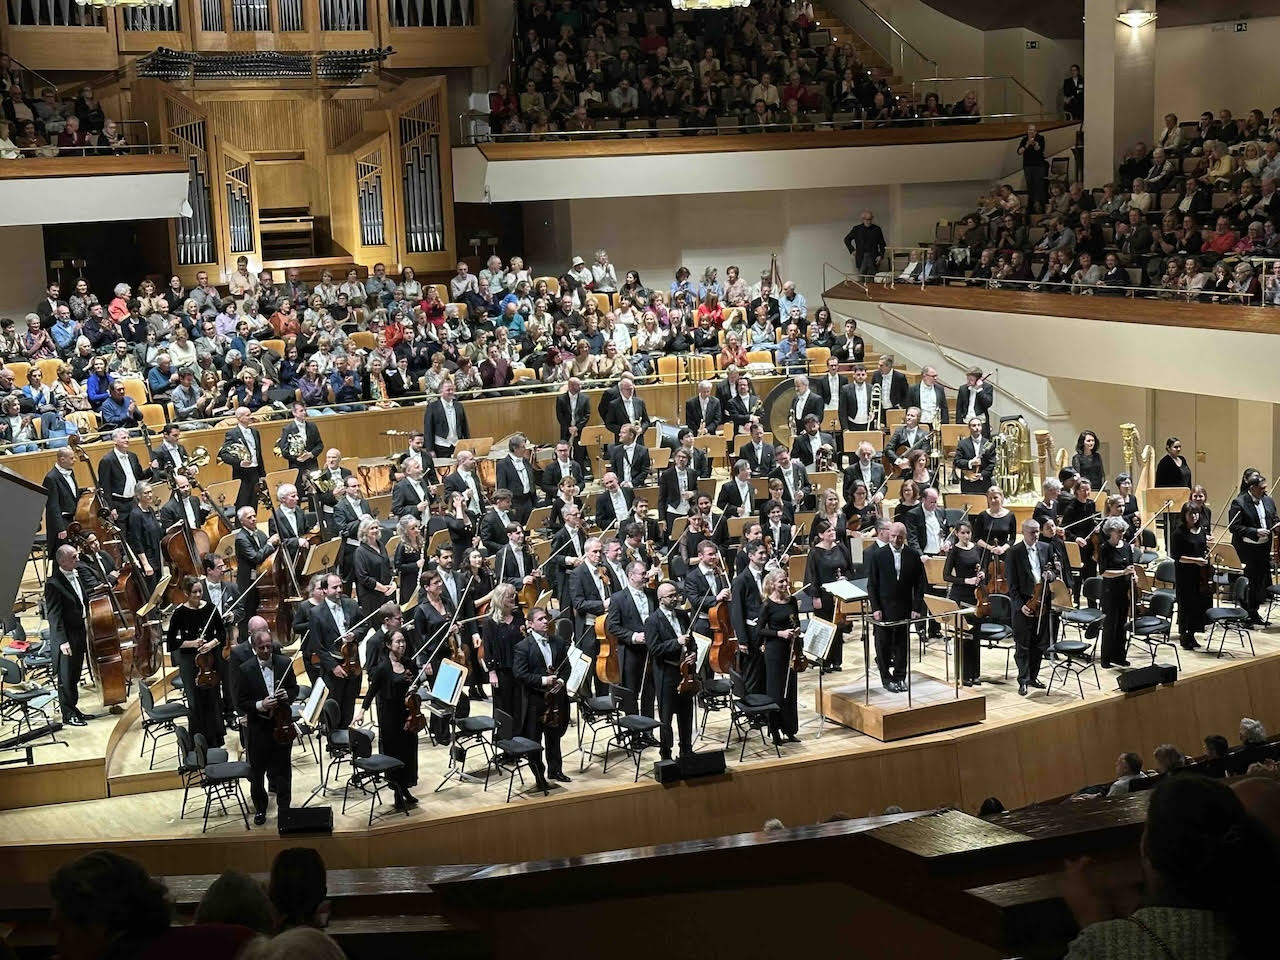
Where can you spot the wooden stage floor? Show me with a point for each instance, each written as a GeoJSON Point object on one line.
{"type": "Point", "coordinates": [1028, 749]}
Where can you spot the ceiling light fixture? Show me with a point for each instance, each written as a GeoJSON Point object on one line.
{"type": "Point", "coordinates": [1137, 18]}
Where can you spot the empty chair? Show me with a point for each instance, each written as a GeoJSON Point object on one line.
{"type": "Point", "coordinates": [748, 712]}
{"type": "Point", "coordinates": [513, 751]}
{"type": "Point", "coordinates": [632, 732]}
{"type": "Point", "coordinates": [158, 719]}
{"type": "Point", "coordinates": [1231, 618]}
{"type": "Point", "coordinates": [221, 781]}
{"type": "Point", "coordinates": [369, 771]}
{"type": "Point", "coordinates": [996, 631]}
{"type": "Point", "coordinates": [1152, 628]}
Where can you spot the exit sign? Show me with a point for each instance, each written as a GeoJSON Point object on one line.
{"type": "Point", "coordinates": [1033, 44]}
{"type": "Point", "coordinates": [1242, 26]}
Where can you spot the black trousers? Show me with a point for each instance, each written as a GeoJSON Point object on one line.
{"type": "Point", "coordinates": [752, 665]}
{"type": "Point", "coordinates": [522, 506]}
{"type": "Point", "coordinates": [674, 704]}
{"type": "Point", "coordinates": [780, 685]}
{"type": "Point", "coordinates": [247, 495]}
{"type": "Point", "coordinates": [637, 676]}
{"type": "Point", "coordinates": [588, 644]}
{"type": "Point", "coordinates": [344, 690]}
{"type": "Point", "coordinates": [1031, 640]}
{"type": "Point", "coordinates": [1257, 567]}
{"type": "Point", "coordinates": [549, 764]}
{"type": "Point", "coordinates": [1035, 187]}
{"type": "Point", "coordinates": [506, 695]}
{"type": "Point", "coordinates": [269, 760]}
{"type": "Point", "coordinates": [1115, 609]}
{"type": "Point", "coordinates": [892, 646]}
{"type": "Point", "coordinates": [67, 668]}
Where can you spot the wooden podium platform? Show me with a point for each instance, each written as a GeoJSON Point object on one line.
{"type": "Point", "coordinates": [934, 707]}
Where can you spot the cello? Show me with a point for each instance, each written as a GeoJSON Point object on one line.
{"type": "Point", "coordinates": [723, 654]}
{"type": "Point", "coordinates": [608, 659]}
{"type": "Point", "coordinates": [184, 547]}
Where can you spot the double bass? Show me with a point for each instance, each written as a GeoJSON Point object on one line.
{"type": "Point", "coordinates": [185, 547]}
{"type": "Point", "coordinates": [723, 654]}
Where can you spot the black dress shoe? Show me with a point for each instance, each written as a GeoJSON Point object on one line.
{"type": "Point", "coordinates": [1035, 683]}
{"type": "Point", "coordinates": [75, 721]}
{"type": "Point", "coordinates": [1121, 663]}
{"type": "Point", "coordinates": [1022, 689]}
{"type": "Point", "coordinates": [559, 775]}
{"type": "Point", "coordinates": [86, 716]}
{"type": "Point", "coordinates": [542, 785]}
{"type": "Point", "coordinates": [792, 738]}
{"type": "Point", "coordinates": [259, 819]}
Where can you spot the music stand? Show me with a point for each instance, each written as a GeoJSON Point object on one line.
{"type": "Point", "coordinates": [819, 634]}
{"type": "Point", "coordinates": [156, 598]}
{"type": "Point", "coordinates": [322, 558]}
{"type": "Point", "coordinates": [850, 592]}
{"type": "Point", "coordinates": [1162, 501]}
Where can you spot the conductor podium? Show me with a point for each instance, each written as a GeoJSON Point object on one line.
{"type": "Point", "coordinates": [886, 716]}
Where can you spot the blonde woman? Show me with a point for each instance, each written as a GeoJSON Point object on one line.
{"type": "Point", "coordinates": [500, 631]}
{"type": "Point", "coordinates": [611, 364]}
{"type": "Point", "coordinates": [650, 338]}
{"type": "Point", "coordinates": [326, 290]}
{"type": "Point", "coordinates": [516, 273]}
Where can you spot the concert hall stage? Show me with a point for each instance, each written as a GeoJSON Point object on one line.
{"type": "Point", "coordinates": [1027, 749]}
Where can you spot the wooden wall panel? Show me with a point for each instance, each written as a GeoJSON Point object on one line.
{"type": "Point", "coordinates": [343, 119]}
{"type": "Point", "coordinates": [264, 123]}
{"type": "Point", "coordinates": [282, 183]}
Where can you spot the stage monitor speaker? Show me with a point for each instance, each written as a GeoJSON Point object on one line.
{"type": "Point", "coordinates": [298, 820]}
{"type": "Point", "coordinates": [24, 504]}
{"type": "Point", "coordinates": [709, 764]}
{"type": "Point", "coordinates": [1143, 677]}
{"type": "Point", "coordinates": [666, 771]}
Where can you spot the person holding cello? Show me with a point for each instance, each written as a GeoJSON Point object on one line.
{"type": "Point", "coordinates": [195, 635]}
{"type": "Point", "coordinates": [182, 507]}
{"type": "Point", "coordinates": [390, 682]}
{"type": "Point", "coordinates": [1025, 567]}
{"type": "Point", "coordinates": [667, 635]}
{"type": "Point", "coordinates": [537, 662]}
{"type": "Point", "coordinates": [66, 605]}
{"type": "Point", "coordinates": [265, 684]}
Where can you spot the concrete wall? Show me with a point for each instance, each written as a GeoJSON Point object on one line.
{"type": "Point", "coordinates": [1040, 70]}
{"type": "Point", "coordinates": [22, 270]}
{"type": "Point", "coordinates": [1210, 66]}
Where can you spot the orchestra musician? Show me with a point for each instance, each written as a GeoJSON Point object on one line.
{"type": "Point", "coordinates": [1129, 508]}
{"type": "Point", "coordinates": [777, 632]}
{"type": "Point", "coordinates": [1173, 470]}
{"type": "Point", "coordinates": [805, 403]}
{"type": "Point", "coordinates": [590, 593]}
{"type": "Point", "coordinates": [573, 411]}
{"type": "Point", "coordinates": [929, 397]}
{"type": "Point", "coordinates": [736, 496]}
{"type": "Point", "coordinates": [1087, 461]}
{"type": "Point", "coordinates": [686, 546]}
{"type": "Point", "coordinates": [1026, 564]}
{"type": "Point", "coordinates": [808, 445]}
{"type": "Point", "coordinates": [796, 490]}
{"type": "Point", "coordinates": [975, 458]}
{"type": "Point", "coordinates": [66, 606]}
{"type": "Point", "coordinates": [410, 496]}
{"type": "Point", "coordinates": [613, 503]}
{"type": "Point", "coordinates": [829, 385]}
{"type": "Point", "coordinates": [757, 453]}
{"type": "Point", "coordinates": [828, 561]}
{"type": "Point", "coordinates": [1115, 565]}
{"type": "Point", "coordinates": [514, 564]}
{"type": "Point", "coordinates": [97, 567]}
{"type": "Point", "coordinates": [171, 455]}
{"type": "Point", "coordinates": [629, 459]}
{"type": "Point", "coordinates": [653, 529]}
{"type": "Point", "coordinates": [746, 597]}
{"type": "Point", "coordinates": [252, 548]}
{"type": "Point", "coordinates": [703, 414]}
{"type": "Point", "coordinates": [909, 437]}
{"type": "Point", "coordinates": [371, 569]}
{"type": "Point", "coordinates": [629, 608]}
{"type": "Point", "coordinates": [855, 401]}
{"type": "Point", "coordinates": [417, 450]}
{"type": "Point", "coordinates": [62, 495]}
{"type": "Point", "coordinates": [862, 507]}
{"type": "Point", "coordinates": [895, 588]}
{"type": "Point", "coordinates": [698, 459]}
{"type": "Point", "coordinates": [516, 474]}
{"type": "Point", "coordinates": [194, 628]}
{"type": "Point", "coordinates": [445, 421]}
{"type": "Point", "coordinates": [1253, 523]}
{"type": "Point", "coordinates": [303, 613]}
{"type": "Point", "coordinates": [893, 386]}
{"type": "Point", "coordinates": [537, 661]}
{"type": "Point", "coordinates": [567, 548]}
{"type": "Point", "coordinates": [436, 622]}
{"type": "Point", "coordinates": [246, 465]}
{"type": "Point", "coordinates": [241, 652]}
{"type": "Point", "coordinates": [666, 632]}
{"type": "Point", "coordinates": [143, 531]}
{"type": "Point", "coordinates": [466, 481]}
{"type": "Point", "coordinates": [626, 408]}
{"type": "Point", "coordinates": [308, 448]}
{"type": "Point", "coordinates": [500, 631]}
{"type": "Point", "coordinates": [963, 571]}
{"type": "Point", "coordinates": [868, 470]}
{"type": "Point", "coordinates": [389, 682]}
{"type": "Point", "coordinates": [1189, 549]}
{"type": "Point", "coordinates": [927, 526]}
{"type": "Point", "coordinates": [387, 621]}
{"type": "Point", "coordinates": [330, 624]}
{"type": "Point", "coordinates": [566, 494]}
{"type": "Point", "coordinates": [182, 507]}
{"type": "Point", "coordinates": [264, 682]}
{"type": "Point", "coordinates": [334, 475]}
{"type": "Point", "coordinates": [290, 521]}
{"type": "Point", "coordinates": [777, 533]}
{"type": "Point", "coordinates": [457, 521]}
{"type": "Point", "coordinates": [704, 584]}
{"type": "Point", "coordinates": [743, 407]}
{"type": "Point", "coordinates": [1046, 507]}
{"type": "Point", "coordinates": [1080, 521]}
{"type": "Point", "coordinates": [119, 473]}
{"type": "Point", "coordinates": [974, 398]}
{"type": "Point", "coordinates": [561, 468]}
{"type": "Point", "coordinates": [349, 513]}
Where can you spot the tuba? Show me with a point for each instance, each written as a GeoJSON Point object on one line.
{"type": "Point", "coordinates": [1013, 458]}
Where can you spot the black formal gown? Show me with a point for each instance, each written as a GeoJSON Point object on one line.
{"type": "Point", "coordinates": [429, 624]}
{"type": "Point", "coordinates": [961, 564]}
{"type": "Point", "coordinates": [824, 566]}
{"type": "Point", "coordinates": [1089, 466]}
{"type": "Point", "coordinates": [780, 680]}
{"type": "Point", "coordinates": [500, 639]}
{"type": "Point", "coordinates": [204, 703]}
{"type": "Point", "coordinates": [1193, 602]}
{"type": "Point", "coordinates": [1115, 601]}
{"type": "Point", "coordinates": [144, 532]}
{"type": "Point", "coordinates": [1171, 473]}
{"type": "Point", "coordinates": [390, 688]}
{"type": "Point", "coordinates": [994, 531]}
{"type": "Point", "coordinates": [405, 564]}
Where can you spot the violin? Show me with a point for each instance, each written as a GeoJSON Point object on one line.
{"type": "Point", "coordinates": [551, 716]}
{"type": "Point", "coordinates": [206, 669]}
{"type": "Point", "coordinates": [993, 582]}
{"type": "Point", "coordinates": [799, 662]}
{"type": "Point", "coordinates": [349, 650]}
{"type": "Point", "coordinates": [1037, 595]}
{"type": "Point", "coordinates": [415, 721]}
{"type": "Point", "coordinates": [690, 683]}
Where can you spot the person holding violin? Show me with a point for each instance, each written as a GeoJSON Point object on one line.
{"type": "Point", "coordinates": [1026, 565]}
{"type": "Point", "coordinates": [778, 633]}
{"type": "Point", "coordinates": [963, 570]}
{"type": "Point", "coordinates": [477, 576]}
{"type": "Point", "coordinates": [144, 533]}
{"type": "Point", "coordinates": [389, 684]}
{"type": "Point", "coordinates": [670, 644]}
{"type": "Point", "coordinates": [860, 510]}
{"type": "Point", "coordinates": [629, 609]}
{"type": "Point", "coordinates": [239, 653]}
{"type": "Point", "coordinates": [330, 625]}
{"type": "Point", "coordinates": [1115, 566]}
{"type": "Point", "coordinates": [375, 583]}
{"type": "Point", "coordinates": [409, 557]}
{"type": "Point", "coordinates": [514, 564]}
{"type": "Point", "coordinates": [66, 604]}
{"type": "Point", "coordinates": [537, 662]}
{"type": "Point", "coordinates": [500, 631]}
{"type": "Point", "coordinates": [1193, 573]}
{"type": "Point", "coordinates": [265, 689]}
{"type": "Point", "coordinates": [195, 636]}
{"type": "Point", "coordinates": [1253, 529]}
{"type": "Point", "coordinates": [1080, 521]}
{"type": "Point", "coordinates": [438, 638]}
{"type": "Point", "coordinates": [827, 562]}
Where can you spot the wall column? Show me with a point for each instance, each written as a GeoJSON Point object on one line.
{"type": "Point", "coordinates": [1119, 85]}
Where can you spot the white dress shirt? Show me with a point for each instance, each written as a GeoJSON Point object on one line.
{"type": "Point", "coordinates": [130, 481]}
{"type": "Point", "coordinates": [252, 447]}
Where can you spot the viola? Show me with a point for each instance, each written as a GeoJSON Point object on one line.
{"type": "Point", "coordinates": [282, 714]}
{"type": "Point", "coordinates": [206, 669]}
{"type": "Point", "coordinates": [414, 721]}
{"type": "Point", "coordinates": [993, 582]}
{"type": "Point", "coordinates": [349, 650]}
{"type": "Point", "coordinates": [551, 715]}
{"type": "Point", "coordinates": [1037, 595]}
{"type": "Point", "coordinates": [608, 660]}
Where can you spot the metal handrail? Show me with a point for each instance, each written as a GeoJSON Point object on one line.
{"type": "Point", "coordinates": [468, 138]}
{"type": "Point", "coordinates": [1038, 286]}
{"type": "Point", "coordinates": [894, 30]}
{"type": "Point", "coordinates": [1020, 85]}
{"type": "Point", "coordinates": [93, 149]}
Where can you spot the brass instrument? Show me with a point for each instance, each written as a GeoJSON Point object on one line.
{"type": "Point", "coordinates": [1044, 455]}
{"type": "Point", "coordinates": [873, 405]}
{"type": "Point", "coordinates": [1140, 466]}
{"type": "Point", "coordinates": [237, 451]}
{"type": "Point", "coordinates": [321, 480]}
{"type": "Point", "coordinates": [935, 442]}
{"type": "Point", "coordinates": [822, 459]}
{"type": "Point", "coordinates": [295, 447]}
{"type": "Point", "coordinates": [1013, 458]}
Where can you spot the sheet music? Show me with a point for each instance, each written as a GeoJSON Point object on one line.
{"type": "Point", "coordinates": [845, 590]}
{"type": "Point", "coordinates": [579, 669]}
{"type": "Point", "coordinates": [704, 647]}
{"type": "Point", "coordinates": [818, 636]}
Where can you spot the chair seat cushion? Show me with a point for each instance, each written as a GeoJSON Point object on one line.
{"type": "Point", "coordinates": [518, 747]}
{"type": "Point", "coordinates": [168, 711]}
{"type": "Point", "coordinates": [222, 772]}
{"type": "Point", "coordinates": [994, 632]}
{"type": "Point", "coordinates": [475, 724]}
{"type": "Point", "coordinates": [755, 700]}
{"type": "Point", "coordinates": [1085, 616]}
{"type": "Point", "coordinates": [1273, 590]}
{"type": "Point", "coordinates": [378, 763]}
{"type": "Point", "coordinates": [635, 724]}
{"type": "Point", "coordinates": [601, 704]}
{"type": "Point", "coordinates": [1146, 626]}
{"type": "Point", "coordinates": [1070, 648]}
{"type": "Point", "coordinates": [25, 696]}
{"type": "Point", "coordinates": [339, 738]}
{"type": "Point", "coordinates": [756, 709]}
{"type": "Point", "coordinates": [1215, 614]}
{"type": "Point", "coordinates": [717, 688]}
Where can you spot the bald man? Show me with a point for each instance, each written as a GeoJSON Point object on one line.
{"type": "Point", "coordinates": [246, 464]}
{"type": "Point", "coordinates": [240, 653]}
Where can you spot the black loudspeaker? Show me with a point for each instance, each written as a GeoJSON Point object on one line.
{"type": "Point", "coordinates": [1144, 677]}
{"type": "Point", "coordinates": [666, 771]}
{"type": "Point", "coordinates": [306, 820]}
{"type": "Point", "coordinates": [709, 764]}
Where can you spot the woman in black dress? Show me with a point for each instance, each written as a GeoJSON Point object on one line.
{"type": "Point", "coordinates": [779, 625]}
{"type": "Point", "coordinates": [1189, 548]}
{"type": "Point", "coordinates": [566, 494]}
{"type": "Point", "coordinates": [1087, 461]}
{"type": "Point", "coordinates": [862, 508]}
{"type": "Point", "coordinates": [829, 512]}
{"type": "Point", "coordinates": [144, 531]}
{"type": "Point", "coordinates": [828, 561]}
{"type": "Point", "coordinates": [196, 627]}
{"type": "Point", "coordinates": [477, 576]}
{"type": "Point", "coordinates": [1200, 497]}
{"type": "Point", "coordinates": [963, 570]}
{"type": "Point", "coordinates": [1173, 469]}
{"type": "Point", "coordinates": [389, 684]}
{"type": "Point", "coordinates": [1115, 555]}
{"type": "Point", "coordinates": [408, 558]}
{"type": "Point", "coordinates": [430, 618]}
{"type": "Point", "coordinates": [1129, 507]}
{"type": "Point", "coordinates": [500, 631]}
{"type": "Point", "coordinates": [907, 499]}
{"type": "Point", "coordinates": [994, 528]}
{"type": "Point", "coordinates": [375, 583]}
